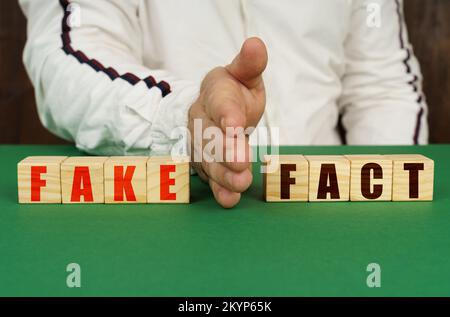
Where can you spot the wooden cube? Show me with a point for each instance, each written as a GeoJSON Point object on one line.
{"type": "Point", "coordinates": [413, 177]}
{"type": "Point", "coordinates": [285, 178]}
{"type": "Point", "coordinates": [168, 180]}
{"type": "Point", "coordinates": [125, 180]}
{"type": "Point", "coordinates": [82, 180]}
{"type": "Point", "coordinates": [329, 178]}
{"type": "Point", "coordinates": [39, 179]}
{"type": "Point", "coordinates": [370, 178]}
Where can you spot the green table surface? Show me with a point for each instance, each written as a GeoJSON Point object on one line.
{"type": "Point", "coordinates": [200, 249]}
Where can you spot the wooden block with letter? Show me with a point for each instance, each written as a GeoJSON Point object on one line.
{"type": "Point", "coordinates": [370, 178]}
{"type": "Point", "coordinates": [39, 179]}
{"type": "Point", "coordinates": [329, 178]}
{"type": "Point", "coordinates": [285, 178]}
{"type": "Point", "coordinates": [125, 180]}
{"type": "Point", "coordinates": [168, 180]}
{"type": "Point", "coordinates": [413, 177]}
{"type": "Point", "coordinates": [82, 180]}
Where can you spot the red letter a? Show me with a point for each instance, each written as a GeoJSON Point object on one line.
{"type": "Point", "coordinates": [81, 176]}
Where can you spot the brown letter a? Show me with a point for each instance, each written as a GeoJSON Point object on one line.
{"type": "Point", "coordinates": [328, 171]}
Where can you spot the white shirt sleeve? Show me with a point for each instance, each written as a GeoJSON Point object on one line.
{"type": "Point", "coordinates": [382, 100]}
{"type": "Point", "coordinates": [91, 86]}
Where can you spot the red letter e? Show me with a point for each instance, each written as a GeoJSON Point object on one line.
{"type": "Point", "coordinates": [166, 182]}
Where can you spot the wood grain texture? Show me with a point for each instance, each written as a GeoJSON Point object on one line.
{"type": "Point", "coordinates": [405, 179]}
{"type": "Point", "coordinates": [370, 178]}
{"type": "Point", "coordinates": [50, 192]}
{"type": "Point", "coordinates": [138, 180]}
{"type": "Point", "coordinates": [288, 186]}
{"type": "Point", "coordinates": [95, 168]}
{"type": "Point", "coordinates": [176, 182]}
{"type": "Point", "coordinates": [322, 170]}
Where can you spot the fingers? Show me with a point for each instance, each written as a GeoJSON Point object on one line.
{"type": "Point", "coordinates": [237, 153]}
{"type": "Point", "coordinates": [231, 150]}
{"type": "Point", "coordinates": [223, 196]}
{"type": "Point", "coordinates": [225, 104]}
{"type": "Point", "coordinates": [227, 113]}
{"type": "Point", "coordinates": [234, 176]}
{"type": "Point", "coordinates": [250, 63]}
{"type": "Point", "coordinates": [230, 100]}
{"type": "Point", "coordinates": [234, 96]}
{"type": "Point", "coordinates": [235, 182]}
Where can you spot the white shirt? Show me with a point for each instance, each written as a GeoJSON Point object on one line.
{"type": "Point", "coordinates": [96, 65]}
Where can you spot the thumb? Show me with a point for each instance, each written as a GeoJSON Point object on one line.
{"type": "Point", "coordinates": [250, 63]}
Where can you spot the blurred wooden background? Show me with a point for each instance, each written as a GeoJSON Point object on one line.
{"type": "Point", "coordinates": [429, 27]}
